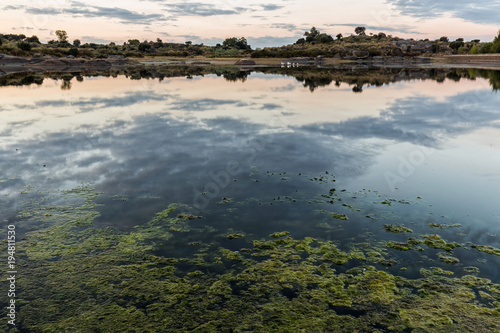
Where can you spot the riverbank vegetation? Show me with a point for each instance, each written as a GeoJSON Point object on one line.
{"type": "Point", "coordinates": [358, 45]}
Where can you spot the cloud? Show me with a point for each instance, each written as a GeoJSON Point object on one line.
{"type": "Point", "coordinates": [10, 7]}
{"type": "Point", "coordinates": [397, 28]}
{"type": "Point", "coordinates": [479, 11]}
{"type": "Point", "coordinates": [271, 7]}
{"type": "Point", "coordinates": [285, 26]}
{"type": "Point", "coordinates": [44, 11]}
{"type": "Point", "coordinates": [198, 9]}
{"type": "Point", "coordinates": [125, 15]}
{"type": "Point", "coordinates": [79, 9]}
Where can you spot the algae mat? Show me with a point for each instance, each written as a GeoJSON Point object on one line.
{"type": "Point", "coordinates": [361, 265]}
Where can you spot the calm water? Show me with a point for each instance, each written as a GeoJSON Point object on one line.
{"type": "Point", "coordinates": [276, 149]}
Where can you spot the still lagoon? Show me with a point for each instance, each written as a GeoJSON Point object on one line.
{"type": "Point", "coordinates": [254, 201]}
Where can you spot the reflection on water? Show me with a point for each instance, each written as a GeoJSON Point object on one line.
{"type": "Point", "coordinates": [260, 152]}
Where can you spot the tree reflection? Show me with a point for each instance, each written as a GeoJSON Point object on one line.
{"type": "Point", "coordinates": [312, 78]}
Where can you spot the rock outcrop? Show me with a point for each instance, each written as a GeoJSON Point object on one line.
{"type": "Point", "coordinates": [10, 64]}
{"type": "Point", "coordinates": [245, 62]}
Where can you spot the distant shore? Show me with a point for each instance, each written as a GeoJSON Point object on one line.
{"type": "Point", "coordinates": [11, 64]}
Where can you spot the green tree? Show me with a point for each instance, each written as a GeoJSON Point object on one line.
{"type": "Point", "coordinates": [474, 49]}
{"type": "Point", "coordinates": [236, 43]}
{"type": "Point", "coordinates": [77, 43]}
{"type": "Point", "coordinates": [62, 36]}
{"type": "Point", "coordinates": [360, 31]}
{"type": "Point", "coordinates": [134, 42]}
{"type": "Point", "coordinates": [144, 46]}
{"type": "Point", "coordinates": [456, 45]}
{"type": "Point", "coordinates": [158, 43]}
{"type": "Point", "coordinates": [324, 38]}
{"type": "Point", "coordinates": [495, 47]}
{"type": "Point", "coordinates": [311, 35]}
{"type": "Point", "coordinates": [486, 48]}
{"type": "Point", "coordinates": [33, 39]}
{"type": "Point", "coordinates": [300, 41]}
{"type": "Point", "coordinates": [444, 39]}
{"type": "Point", "coordinates": [339, 36]}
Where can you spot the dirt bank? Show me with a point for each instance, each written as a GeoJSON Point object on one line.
{"type": "Point", "coordinates": [9, 64]}
{"type": "Point", "coordinates": [483, 61]}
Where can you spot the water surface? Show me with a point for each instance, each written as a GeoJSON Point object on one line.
{"type": "Point", "coordinates": [260, 153]}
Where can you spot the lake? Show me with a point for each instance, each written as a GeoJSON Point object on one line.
{"type": "Point", "coordinates": [214, 199]}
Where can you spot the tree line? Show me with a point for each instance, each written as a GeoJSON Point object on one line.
{"type": "Point", "coordinates": [313, 43]}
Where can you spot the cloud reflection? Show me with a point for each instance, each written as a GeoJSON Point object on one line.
{"type": "Point", "coordinates": [421, 120]}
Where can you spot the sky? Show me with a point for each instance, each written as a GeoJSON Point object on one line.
{"type": "Point", "coordinates": [263, 23]}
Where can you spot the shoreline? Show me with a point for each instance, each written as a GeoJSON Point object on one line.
{"type": "Point", "coordinates": [10, 64]}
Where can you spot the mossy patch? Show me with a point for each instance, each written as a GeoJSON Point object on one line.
{"type": "Point", "coordinates": [436, 242]}
{"type": "Point", "coordinates": [77, 277]}
{"type": "Point", "coordinates": [397, 229]}
{"type": "Point", "coordinates": [486, 249]}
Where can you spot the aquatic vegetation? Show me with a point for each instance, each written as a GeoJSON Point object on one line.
{"type": "Point", "coordinates": [447, 258]}
{"type": "Point", "coordinates": [225, 200]}
{"type": "Point", "coordinates": [279, 234]}
{"type": "Point", "coordinates": [487, 249]}
{"type": "Point", "coordinates": [77, 276]}
{"type": "Point", "coordinates": [398, 229]}
{"type": "Point", "coordinates": [441, 226]}
{"type": "Point", "coordinates": [342, 217]}
{"type": "Point", "coordinates": [234, 236]}
{"type": "Point", "coordinates": [410, 244]}
{"type": "Point", "coordinates": [436, 242]}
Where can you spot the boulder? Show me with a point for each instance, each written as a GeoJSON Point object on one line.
{"type": "Point", "coordinates": [12, 61]}
{"type": "Point", "coordinates": [245, 62]}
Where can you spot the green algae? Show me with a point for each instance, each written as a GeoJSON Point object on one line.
{"type": "Point", "coordinates": [112, 281]}
{"type": "Point", "coordinates": [225, 200]}
{"type": "Point", "coordinates": [441, 226]}
{"type": "Point", "coordinates": [397, 229]}
{"type": "Point", "coordinates": [342, 217]}
{"type": "Point", "coordinates": [234, 236]}
{"type": "Point", "coordinates": [436, 242]}
{"type": "Point", "coordinates": [486, 249]}
{"type": "Point", "coordinates": [447, 258]}
{"type": "Point", "coordinates": [471, 269]}
{"type": "Point", "coordinates": [410, 244]}
{"type": "Point", "coordinates": [279, 234]}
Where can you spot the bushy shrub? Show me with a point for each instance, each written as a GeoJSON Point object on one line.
{"type": "Point", "coordinates": [25, 46]}
{"type": "Point", "coordinates": [73, 52]}
{"type": "Point", "coordinates": [486, 48]}
{"type": "Point", "coordinates": [456, 45]}
{"type": "Point", "coordinates": [474, 49]}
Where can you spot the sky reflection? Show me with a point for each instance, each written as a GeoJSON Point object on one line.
{"type": "Point", "coordinates": [168, 139]}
